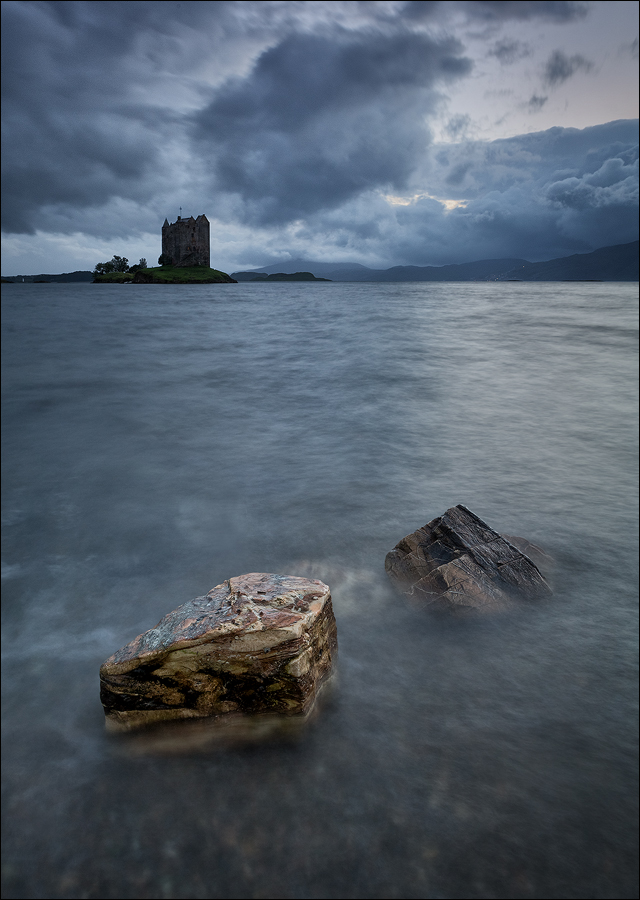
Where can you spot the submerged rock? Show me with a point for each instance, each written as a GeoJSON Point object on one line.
{"type": "Point", "coordinates": [257, 644]}
{"type": "Point", "coordinates": [458, 562]}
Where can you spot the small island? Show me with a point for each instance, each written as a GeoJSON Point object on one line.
{"type": "Point", "coordinates": [184, 259]}
{"type": "Point", "coordinates": [282, 276]}
{"type": "Point", "coordinates": [165, 275]}
{"type": "Point", "coordinates": [277, 276]}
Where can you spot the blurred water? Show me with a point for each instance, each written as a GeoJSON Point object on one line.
{"type": "Point", "coordinates": [158, 440]}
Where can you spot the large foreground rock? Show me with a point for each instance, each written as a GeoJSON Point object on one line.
{"type": "Point", "coordinates": [458, 562]}
{"type": "Point", "coordinates": [257, 644]}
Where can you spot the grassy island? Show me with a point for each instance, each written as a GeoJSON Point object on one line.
{"type": "Point", "coordinates": [167, 275]}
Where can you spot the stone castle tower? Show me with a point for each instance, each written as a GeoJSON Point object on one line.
{"type": "Point", "coordinates": [186, 241]}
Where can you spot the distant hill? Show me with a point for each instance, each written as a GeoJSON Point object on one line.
{"type": "Point", "coordinates": [616, 263]}
{"type": "Point", "coordinates": [66, 276]}
{"type": "Point", "coordinates": [333, 271]}
{"type": "Point", "coordinates": [480, 270]}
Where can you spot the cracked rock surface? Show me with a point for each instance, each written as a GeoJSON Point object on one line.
{"type": "Point", "coordinates": [458, 562]}
{"type": "Point", "coordinates": [256, 644]}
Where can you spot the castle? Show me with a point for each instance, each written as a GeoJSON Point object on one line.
{"type": "Point", "coordinates": [186, 242]}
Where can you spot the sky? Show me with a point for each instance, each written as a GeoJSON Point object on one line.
{"type": "Point", "coordinates": [382, 133]}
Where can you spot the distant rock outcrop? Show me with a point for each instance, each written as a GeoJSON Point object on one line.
{"type": "Point", "coordinates": [257, 644]}
{"type": "Point", "coordinates": [458, 562]}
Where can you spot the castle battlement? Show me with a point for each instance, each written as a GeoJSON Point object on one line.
{"type": "Point", "coordinates": [186, 242]}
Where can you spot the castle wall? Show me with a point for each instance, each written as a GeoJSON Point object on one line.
{"type": "Point", "coordinates": [186, 242]}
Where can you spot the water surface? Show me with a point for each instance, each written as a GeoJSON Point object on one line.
{"type": "Point", "coordinates": [159, 439]}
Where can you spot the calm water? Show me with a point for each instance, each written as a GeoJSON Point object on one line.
{"type": "Point", "coordinates": [158, 440]}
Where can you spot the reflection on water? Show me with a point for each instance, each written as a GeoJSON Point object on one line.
{"type": "Point", "coordinates": [198, 736]}
{"type": "Point", "coordinates": [160, 442]}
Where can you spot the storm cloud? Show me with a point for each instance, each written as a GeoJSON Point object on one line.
{"type": "Point", "coordinates": [535, 196]}
{"type": "Point", "coordinates": [508, 52]}
{"type": "Point", "coordinates": [545, 194]}
{"type": "Point", "coordinates": [302, 127]}
{"type": "Point", "coordinates": [318, 121]}
{"type": "Point", "coordinates": [501, 10]}
{"type": "Point", "coordinates": [560, 67]}
{"type": "Point", "coordinates": [536, 102]}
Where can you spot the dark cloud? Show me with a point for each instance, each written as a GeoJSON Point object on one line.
{"type": "Point", "coordinates": [494, 12]}
{"type": "Point", "coordinates": [456, 174]}
{"type": "Point", "coordinates": [418, 10]}
{"type": "Point", "coordinates": [508, 51]}
{"type": "Point", "coordinates": [296, 124]}
{"type": "Point", "coordinates": [458, 126]}
{"type": "Point", "coordinates": [536, 102]}
{"type": "Point", "coordinates": [535, 196]}
{"type": "Point", "coordinates": [75, 133]}
{"type": "Point", "coordinates": [560, 67]}
{"type": "Point", "coordinates": [613, 184]}
{"type": "Point", "coordinates": [539, 195]}
{"type": "Point", "coordinates": [98, 99]}
{"type": "Point", "coordinates": [535, 158]}
{"type": "Point", "coordinates": [500, 10]}
{"type": "Point", "coordinates": [318, 121]}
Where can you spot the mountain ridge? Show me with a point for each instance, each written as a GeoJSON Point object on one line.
{"type": "Point", "coordinates": [618, 262]}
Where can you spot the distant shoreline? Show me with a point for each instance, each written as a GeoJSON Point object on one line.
{"type": "Point", "coordinates": [616, 263]}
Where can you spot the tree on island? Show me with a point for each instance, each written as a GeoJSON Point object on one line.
{"type": "Point", "coordinates": [164, 260]}
{"type": "Point", "coordinates": [118, 264]}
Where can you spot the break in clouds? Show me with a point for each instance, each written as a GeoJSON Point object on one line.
{"type": "Point", "coordinates": [298, 127]}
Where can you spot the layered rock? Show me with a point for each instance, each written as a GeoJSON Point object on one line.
{"type": "Point", "coordinates": [255, 645]}
{"type": "Point", "coordinates": [458, 562]}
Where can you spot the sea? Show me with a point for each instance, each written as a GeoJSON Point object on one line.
{"type": "Point", "coordinates": [160, 439]}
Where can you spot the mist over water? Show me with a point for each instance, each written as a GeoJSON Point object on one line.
{"type": "Point", "coordinates": [160, 439]}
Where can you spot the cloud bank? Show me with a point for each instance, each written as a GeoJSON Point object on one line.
{"type": "Point", "coordinates": [318, 121]}
{"type": "Point", "coordinates": [301, 129]}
